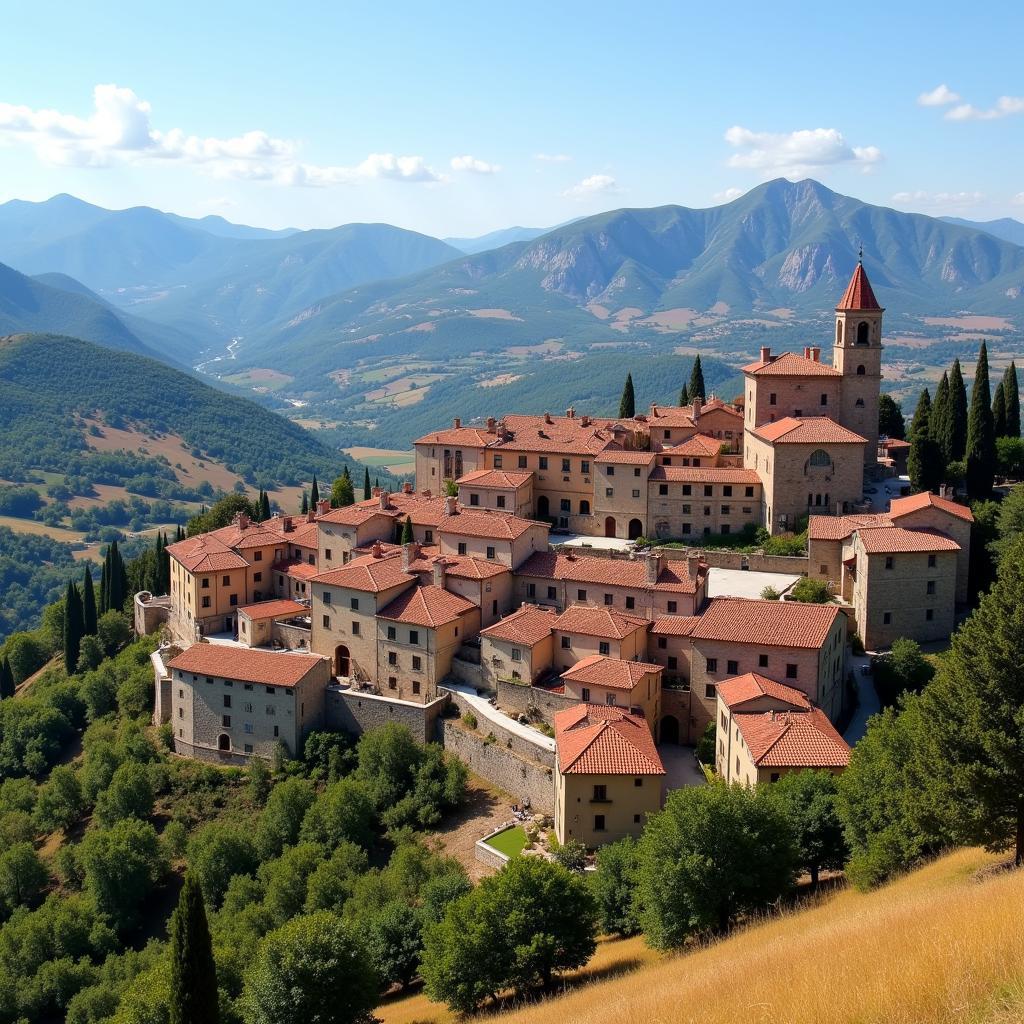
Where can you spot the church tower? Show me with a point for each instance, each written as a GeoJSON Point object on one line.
{"type": "Point", "coordinates": [857, 355]}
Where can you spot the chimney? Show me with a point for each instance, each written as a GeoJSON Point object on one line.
{"type": "Point", "coordinates": [492, 425]}
{"type": "Point", "coordinates": [816, 354]}
{"type": "Point", "coordinates": [693, 566]}
{"type": "Point", "coordinates": [311, 516]}
{"type": "Point", "coordinates": [375, 492]}
{"type": "Point", "coordinates": [323, 506]}
{"type": "Point", "coordinates": [407, 487]}
{"type": "Point", "coordinates": [377, 550]}
{"type": "Point", "coordinates": [698, 404]}
{"type": "Point", "coordinates": [570, 413]}
{"type": "Point", "coordinates": [410, 552]}
{"type": "Point", "coordinates": [242, 521]}
{"type": "Point", "coordinates": [807, 351]}
{"type": "Point", "coordinates": [456, 423]}
{"type": "Point", "coordinates": [547, 418]}
{"type": "Point", "coordinates": [451, 505]}
{"type": "Point", "coordinates": [653, 567]}
{"type": "Point", "coordinates": [286, 523]}
{"type": "Point", "coordinates": [766, 354]}
{"type": "Point", "coordinates": [383, 498]}
{"type": "Point", "coordinates": [439, 564]}
{"type": "Point", "coordinates": [585, 421]}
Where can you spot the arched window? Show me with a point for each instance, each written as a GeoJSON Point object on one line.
{"type": "Point", "coordinates": [863, 333]}
{"type": "Point", "coordinates": [820, 458]}
{"type": "Point", "coordinates": [860, 370]}
{"type": "Point", "coordinates": [859, 403]}
{"type": "Point", "coordinates": [223, 742]}
{"type": "Point", "coordinates": [584, 508]}
{"type": "Point", "coordinates": [839, 332]}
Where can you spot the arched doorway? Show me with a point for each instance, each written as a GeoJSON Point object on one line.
{"type": "Point", "coordinates": [224, 742]}
{"type": "Point", "coordinates": [669, 729]}
{"type": "Point", "coordinates": [543, 507]}
{"type": "Point", "coordinates": [342, 661]}
{"type": "Point", "coordinates": [636, 529]}
{"type": "Point", "coordinates": [609, 526]}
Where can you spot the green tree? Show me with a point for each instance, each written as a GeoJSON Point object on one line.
{"type": "Point", "coordinates": [60, 802]}
{"type": "Point", "coordinates": [304, 508]}
{"type": "Point", "coordinates": [808, 801]}
{"type": "Point", "coordinates": [73, 628]}
{"type": "Point", "coordinates": [341, 492]}
{"type": "Point", "coordinates": [925, 463]}
{"type": "Point", "coordinates": [407, 535]}
{"type": "Point", "coordinates": [1011, 393]}
{"type": "Point", "coordinates": [981, 442]}
{"type": "Point", "coordinates": [90, 654]}
{"type": "Point", "coordinates": [979, 752]}
{"type": "Point", "coordinates": [216, 853]}
{"type": "Point", "coordinates": [958, 412]}
{"type": "Point", "coordinates": [333, 882]}
{"type": "Point", "coordinates": [684, 396]}
{"type": "Point", "coordinates": [613, 886]}
{"type": "Point", "coordinates": [810, 591]}
{"type": "Point", "coordinates": [113, 631]}
{"type": "Point", "coordinates": [697, 389]}
{"type": "Point", "coordinates": [259, 781]}
{"type": "Point", "coordinates": [627, 404]}
{"type": "Point", "coordinates": [515, 930]}
{"type": "Point", "coordinates": [890, 418]}
{"type": "Point", "coordinates": [342, 812]}
{"type": "Point", "coordinates": [88, 604]}
{"type": "Point", "coordinates": [6, 679]}
{"type": "Point", "coordinates": [314, 493]}
{"type": "Point", "coordinates": [903, 670]}
{"type": "Point", "coordinates": [121, 865]}
{"type": "Point", "coordinates": [941, 419]}
{"type": "Point", "coordinates": [999, 412]}
{"type": "Point", "coordinates": [194, 998]}
{"type": "Point", "coordinates": [129, 795]}
{"type": "Point", "coordinates": [713, 853]}
{"type": "Point", "coordinates": [311, 969]}
{"type": "Point", "coordinates": [1010, 457]}
{"type": "Point", "coordinates": [367, 493]}
{"type": "Point", "coordinates": [22, 877]}
{"type": "Point", "coordinates": [281, 819]}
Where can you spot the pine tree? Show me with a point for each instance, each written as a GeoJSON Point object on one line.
{"type": "Point", "coordinates": [6, 679]}
{"type": "Point", "coordinates": [627, 404]}
{"type": "Point", "coordinates": [88, 604]}
{"type": "Point", "coordinates": [684, 396]}
{"type": "Point", "coordinates": [1011, 393]}
{"type": "Point", "coordinates": [958, 412]}
{"type": "Point", "coordinates": [305, 503]}
{"type": "Point", "coordinates": [925, 463]}
{"type": "Point", "coordinates": [981, 442]}
{"type": "Point", "coordinates": [193, 996]}
{"type": "Point", "coordinates": [314, 493]}
{"type": "Point", "coordinates": [940, 419]}
{"type": "Point", "coordinates": [366, 485]}
{"type": "Point", "coordinates": [72, 627]}
{"type": "Point", "coordinates": [407, 536]}
{"type": "Point", "coordinates": [697, 381]}
{"type": "Point", "coordinates": [163, 567]}
{"type": "Point", "coordinates": [346, 474]}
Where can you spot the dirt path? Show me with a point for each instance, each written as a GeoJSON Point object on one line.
{"type": "Point", "coordinates": [485, 809]}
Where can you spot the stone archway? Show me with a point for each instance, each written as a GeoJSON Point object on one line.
{"type": "Point", "coordinates": [543, 507]}
{"type": "Point", "coordinates": [669, 729]}
{"type": "Point", "coordinates": [224, 742]}
{"type": "Point", "coordinates": [342, 661]}
{"type": "Point", "coordinates": [636, 529]}
{"type": "Point", "coordinates": [609, 526]}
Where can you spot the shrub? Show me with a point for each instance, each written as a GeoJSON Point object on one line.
{"type": "Point", "coordinates": [810, 591]}
{"type": "Point", "coordinates": [706, 744]}
{"type": "Point", "coordinates": [613, 885]}
{"type": "Point", "coordinates": [571, 854]}
{"type": "Point", "coordinates": [469, 719]}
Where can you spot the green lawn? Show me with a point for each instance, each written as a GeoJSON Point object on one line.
{"type": "Point", "coordinates": [510, 842]}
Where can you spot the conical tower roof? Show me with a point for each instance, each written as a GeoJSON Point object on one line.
{"type": "Point", "coordinates": [858, 294]}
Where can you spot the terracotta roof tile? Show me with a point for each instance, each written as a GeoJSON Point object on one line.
{"type": "Point", "coordinates": [598, 622]}
{"type": "Point", "coordinates": [897, 539]}
{"type": "Point", "coordinates": [776, 623]}
{"type": "Point", "coordinates": [205, 553]}
{"type": "Point", "coordinates": [925, 499]}
{"type": "Point", "coordinates": [474, 522]}
{"type": "Point", "coordinates": [296, 568]}
{"type": "Point", "coordinates": [791, 364]}
{"type": "Point", "coordinates": [527, 625]}
{"type": "Point", "coordinates": [841, 527]}
{"type": "Point", "coordinates": [705, 475]}
{"type": "Point", "coordinates": [598, 670]}
{"type": "Point", "coordinates": [807, 430]}
{"type": "Point", "coordinates": [859, 294]}
{"type": "Point", "coordinates": [740, 690]}
{"type": "Point", "coordinates": [272, 668]}
{"type": "Point", "coordinates": [600, 740]}
{"type": "Point", "coordinates": [793, 739]}
{"type": "Point", "coordinates": [465, 437]}
{"type": "Point", "coordinates": [498, 479]}
{"type": "Point", "coordinates": [699, 445]}
{"type": "Point", "coordinates": [427, 606]}
{"type": "Point", "coordinates": [611, 572]}
{"type": "Point", "coordinates": [675, 625]}
{"type": "Point", "coordinates": [276, 609]}
{"type": "Point", "coordinates": [368, 573]}
{"type": "Point", "coordinates": [625, 457]}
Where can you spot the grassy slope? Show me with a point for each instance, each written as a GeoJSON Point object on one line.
{"type": "Point", "coordinates": [936, 947]}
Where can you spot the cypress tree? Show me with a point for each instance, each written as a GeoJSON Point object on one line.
{"type": "Point", "coordinates": [264, 506]}
{"type": "Point", "coordinates": [193, 970]}
{"type": "Point", "coordinates": [72, 628]}
{"type": "Point", "coordinates": [940, 419]}
{"type": "Point", "coordinates": [314, 493]}
{"type": "Point", "coordinates": [88, 604]}
{"type": "Point", "coordinates": [999, 412]}
{"type": "Point", "coordinates": [117, 579]}
{"type": "Point", "coordinates": [366, 485]}
{"type": "Point", "coordinates": [922, 414]}
{"type": "Point", "coordinates": [104, 585]}
{"type": "Point", "coordinates": [697, 381]}
{"type": "Point", "coordinates": [981, 442]}
{"type": "Point", "coordinates": [627, 404]}
{"type": "Point", "coordinates": [407, 537]}
{"type": "Point", "coordinates": [924, 464]}
{"type": "Point", "coordinates": [958, 412]}
{"type": "Point", "coordinates": [305, 502]}
{"type": "Point", "coordinates": [6, 679]}
{"type": "Point", "coordinates": [1011, 394]}
{"type": "Point", "coordinates": [165, 567]}
{"type": "Point", "coordinates": [684, 396]}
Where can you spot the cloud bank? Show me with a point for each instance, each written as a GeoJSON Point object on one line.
{"type": "Point", "coordinates": [796, 154]}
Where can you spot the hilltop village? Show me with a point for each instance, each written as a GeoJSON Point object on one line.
{"type": "Point", "coordinates": [578, 662]}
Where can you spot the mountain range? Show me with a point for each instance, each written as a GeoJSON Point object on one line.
{"type": "Point", "coordinates": [1006, 228]}
{"type": "Point", "coordinates": [495, 239]}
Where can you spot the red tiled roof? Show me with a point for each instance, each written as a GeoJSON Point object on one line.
{"type": "Point", "coordinates": [672, 416]}
{"type": "Point", "coordinates": [466, 567]}
{"type": "Point", "coordinates": [597, 739]}
{"type": "Point", "coordinates": [465, 437]}
{"type": "Point", "coordinates": [354, 515]}
{"type": "Point", "coordinates": [296, 568]}
{"type": "Point", "coordinates": [255, 535]}
{"type": "Point", "coordinates": [625, 457]}
{"type": "Point", "coordinates": [276, 609]}
{"type": "Point", "coordinates": [841, 527]}
{"type": "Point", "coordinates": [897, 539]}
{"type": "Point", "coordinates": [489, 524]}
{"type": "Point", "coordinates": [498, 479]}
{"type": "Point", "coordinates": [915, 502]}
{"type": "Point", "coordinates": [791, 364]}
{"type": "Point", "coordinates": [740, 690]}
{"type": "Point", "coordinates": [226, 661]}
{"type": "Point", "coordinates": [598, 622]}
{"type": "Point", "coordinates": [807, 430]}
{"type": "Point", "coordinates": [427, 606]}
{"type": "Point", "coordinates": [610, 572]}
{"type": "Point", "coordinates": [527, 625]}
{"type": "Point", "coordinates": [304, 535]}
{"type": "Point", "coordinates": [675, 625]}
{"type": "Point", "coordinates": [775, 623]}
{"type": "Point", "coordinates": [563, 434]}
{"type": "Point", "coordinates": [205, 553]}
{"type": "Point", "coordinates": [893, 442]}
{"type": "Point", "coordinates": [702, 475]}
{"type": "Point", "coordinates": [793, 739]}
{"type": "Point", "coordinates": [858, 294]}
{"type": "Point", "coordinates": [699, 445]}
{"type": "Point", "coordinates": [598, 670]}
{"type": "Point", "coordinates": [368, 573]}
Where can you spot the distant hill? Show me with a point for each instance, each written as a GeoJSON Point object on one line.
{"type": "Point", "coordinates": [1006, 228]}
{"type": "Point", "coordinates": [495, 239]}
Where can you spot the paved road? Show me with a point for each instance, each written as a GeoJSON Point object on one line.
{"type": "Point", "coordinates": [868, 704]}
{"type": "Point", "coordinates": [680, 766]}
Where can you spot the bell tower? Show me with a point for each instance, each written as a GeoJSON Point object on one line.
{"type": "Point", "coordinates": [857, 355]}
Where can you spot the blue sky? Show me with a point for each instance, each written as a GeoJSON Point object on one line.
{"type": "Point", "coordinates": [458, 118]}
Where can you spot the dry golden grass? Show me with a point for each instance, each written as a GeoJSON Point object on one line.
{"type": "Point", "coordinates": [939, 946]}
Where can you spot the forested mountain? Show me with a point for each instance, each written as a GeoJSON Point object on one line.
{"type": "Point", "coordinates": [1006, 228]}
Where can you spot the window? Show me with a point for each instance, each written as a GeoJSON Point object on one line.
{"type": "Point", "coordinates": [931, 561]}
{"type": "Point", "coordinates": [271, 711]}
{"type": "Point", "coordinates": [608, 599]}
{"type": "Point", "coordinates": [490, 551]}
{"type": "Point", "coordinates": [749, 493]}
{"type": "Point", "coordinates": [270, 689]}
{"type": "Point", "coordinates": [257, 556]}
{"type": "Point", "coordinates": [206, 583]}
{"type": "Point", "coordinates": [604, 648]}
{"type": "Point", "coordinates": [517, 655]}
{"type": "Point", "coordinates": [247, 708]}
{"type": "Point", "coordinates": [392, 683]}
{"type": "Point", "coordinates": [585, 694]}
{"type": "Point", "coordinates": [630, 603]}
{"type": "Point", "coordinates": [542, 462]}
{"type": "Point", "coordinates": [687, 527]}
{"type": "Point", "coordinates": [392, 658]}
{"type": "Point", "coordinates": [610, 471]}
{"type": "Point", "coordinates": [353, 604]}
{"type": "Point", "coordinates": [249, 728]}
{"type": "Point", "coordinates": [227, 700]}
{"type": "Point", "coordinates": [355, 629]}
{"type": "Point", "coordinates": [206, 602]}
{"type": "Point", "coordinates": [566, 643]}
{"type": "Point", "coordinates": [889, 561]}
{"type": "Point", "coordinates": [414, 636]}
{"type": "Point", "coordinates": [662, 643]}
{"type": "Point", "coordinates": [225, 581]}
{"type": "Point", "coordinates": [726, 510]}
{"type": "Point", "coordinates": [522, 462]}
{"type": "Point", "coordinates": [727, 491]}
{"type": "Point", "coordinates": [598, 822]}
{"type": "Point", "coordinates": [790, 671]}
{"type": "Point", "coordinates": [931, 587]}
{"type": "Point", "coordinates": [565, 505]}
{"type": "Point", "coordinates": [732, 667]}
{"type": "Point", "coordinates": [499, 501]}
{"type": "Point", "coordinates": [225, 721]}
{"type": "Point", "coordinates": [462, 547]}
{"type": "Point", "coordinates": [415, 686]}
{"type": "Point", "coordinates": [672, 663]}
{"type": "Point", "coordinates": [887, 618]}
{"type": "Point", "coordinates": [181, 712]}
{"type": "Point", "coordinates": [277, 731]}
{"type": "Point", "coordinates": [417, 663]}
{"type": "Point", "coordinates": [531, 589]}
{"type": "Point", "coordinates": [663, 489]}
{"type": "Point", "coordinates": [709, 691]}
{"type": "Point", "coordinates": [327, 622]}
{"type": "Point", "coordinates": [712, 664]}
{"type": "Point", "coordinates": [929, 614]}
{"type": "Point", "coordinates": [636, 472]}
{"type": "Point", "coordinates": [497, 462]}
{"type": "Point", "coordinates": [636, 492]}
{"type": "Point", "coordinates": [581, 595]}
{"type": "Point", "coordinates": [762, 661]}
{"type": "Point", "coordinates": [637, 783]}
{"type": "Point", "coordinates": [327, 553]}
{"type": "Point", "coordinates": [428, 536]}
{"type": "Point", "coordinates": [247, 747]}
{"type": "Point", "coordinates": [672, 606]}
{"type": "Point", "coordinates": [772, 399]}
{"type": "Point", "coordinates": [552, 593]}
{"type": "Point", "coordinates": [687, 491]}
{"type": "Point", "coordinates": [566, 467]}
{"type": "Point", "coordinates": [819, 457]}
{"type": "Point", "coordinates": [824, 399]}
{"type": "Point", "coordinates": [257, 577]}
{"type": "Point", "coordinates": [600, 793]}
{"type": "Point", "coordinates": [474, 499]}
{"type": "Point", "coordinates": [609, 491]}
{"type": "Point", "coordinates": [584, 508]}
{"type": "Point", "coordinates": [233, 600]}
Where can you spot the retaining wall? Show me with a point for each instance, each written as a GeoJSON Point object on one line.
{"type": "Point", "coordinates": [518, 699]}
{"type": "Point", "coordinates": [755, 561]}
{"type": "Point", "coordinates": [357, 712]}
{"type": "Point", "coordinates": [507, 738]}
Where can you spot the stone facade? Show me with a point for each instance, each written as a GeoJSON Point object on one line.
{"type": "Point", "coordinates": [357, 711]}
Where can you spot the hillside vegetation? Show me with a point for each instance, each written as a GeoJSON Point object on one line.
{"type": "Point", "coordinates": [942, 944]}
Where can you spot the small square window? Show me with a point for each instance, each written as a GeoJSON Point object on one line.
{"type": "Point", "coordinates": [417, 663]}
{"type": "Point", "coordinates": [355, 629]}
{"type": "Point", "coordinates": [887, 618]}
{"type": "Point", "coordinates": [598, 822]}
{"type": "Point", "coordinates": [762, 661]}
{"type": "Point", "coordinates": [608, 599]}
{"type": "Point", "coordinates": [392, 633]}
{"type": "Point", "coordinates": [672, 606]}
{"type": "Point", "coordinates": [552, 593]}
{"type": "Point", "coordinates": [709, 691]}
{"type": "Point", "coordinates": [566, 643]}
{"type": "Point", "coordinates": [636, 819]}
{"type": "Point", "coordinates": [490, 552]}
{"type": "Point", "coordinates": [542, 462]}
{"type": "Point", "coordinates": [392, 683]}
{"type": "Point", "coordinates": [604, 648]}
{"type": "Point", "coordinates": [225, 721]}
{"type": "Point", "coordinates": [931, 561]}
{"type": "Point", "coordinates": [889, 561]}
{"type": "Point", "coordinates": [672, 663]}
{"type": "Point", "coordinates": [931, 587]}
{"type": "Point", "coordinates": [636, 492]}
{"type": "Point", "coordinates": [662, 643]}
{"type": "Point", "coordinates": [732, 667]}
{"type": "Point", "coordinates": [630, 602]}
{"type": "Point", "coordinates": [712, 664]}
{"type": "Point", "coordinates": [791, 671]}
{"type": "Point", "coordinates": [462, 547]}
{"type": "Point", "coordinates": [354, 603]}
{"type": "Point", "coordinates": [415, 686]}
{"type": "Point", "coordinates": [327, 621]}
{"type": "Point", "coordinates": [392, 658]}
{"type": "Point", "coordinates": [581, 595]}
{"type": "Point", "coordinates": [565, 466]}
{"type": "Point", "coordinates": [414, 637]}
{"type": "Point", "coordinates": [929, 614]}
{"type": "Point", "coordinates": [662, 489]}
{"type": "Point", "coordinates": [585, 694]}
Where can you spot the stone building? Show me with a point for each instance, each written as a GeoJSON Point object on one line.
{"type": "Point", "coordinates": [519, 647]}
{"type": "Point", "coordinates": [635, 685]}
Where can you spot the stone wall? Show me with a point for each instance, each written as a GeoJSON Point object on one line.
{"type": "Point", "coordinates": [357, 711]}
{"type": "Point", "coordinates": [150, 612]}
{"type": "Point", "coordinates": [507, 738]}
{"type": "Point", "coordinates": [517, 699]}
{"type": "Point", "coordinates": [466, 672]}
{"type": "Point", "coordinates": [291, 637]}
{"type": "Point", "coordinates": [518, 776]}
{"type": "Point", "coordinates": [755, 561]}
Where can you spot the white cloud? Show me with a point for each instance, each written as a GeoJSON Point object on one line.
{"type": "Point", "coordinates": [940, 96]}
{"type": "Point", "coordinates": [795, 154]}
{"type": "Point", "coordinates": [1004, 107]}
{"type": "Point", "coordinates": [119, 130]}
{"type": "Point", "coordinates": [552, 158]}
{"type": "Point", "coordinates": [940, 199]}
{"type": "Point", "coordinates": [1018, 199]}
{"type": "Point", "coordinates": [596, 184]}
{"type": "Point", "coordinates": [474, 166]}
{"type": "Point", "coordinates": [727, 195]}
